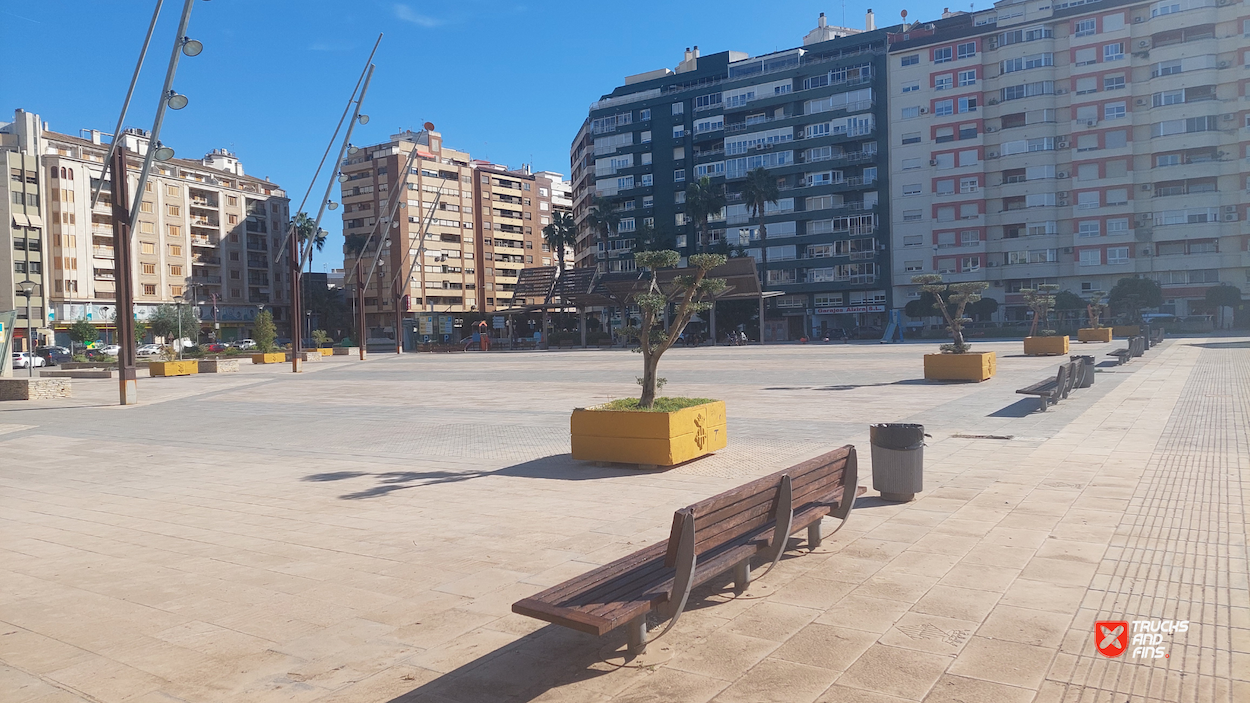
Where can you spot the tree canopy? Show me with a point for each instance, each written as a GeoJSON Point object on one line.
{"type": "Point", "coordinates": [1132, 295]}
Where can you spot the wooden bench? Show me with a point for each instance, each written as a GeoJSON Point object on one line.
{"type": "Point", "coordinates": [1123, 355]}
{"type": "Point", "coordinates": [714, 536]}
{"type": "Point", "coordinates": [1052, 390]}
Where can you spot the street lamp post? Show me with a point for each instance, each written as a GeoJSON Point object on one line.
{"type": "Point", "coordinates": [27, 289]}
{"type": "Point", "coordinates": [178, 342]}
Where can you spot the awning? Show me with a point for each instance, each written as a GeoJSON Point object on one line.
{"type": "Point", "coordinates": [36, 221]}
{"type": "Point", "coordinates": [20, 220]}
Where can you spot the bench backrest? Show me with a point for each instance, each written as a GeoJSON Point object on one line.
{"type": "Point", "coordinates": [1073, 374]}
{"type": "Point", "coordinates": [733, 514]}
{"type": "Point", "coordinates": [1061, 379]}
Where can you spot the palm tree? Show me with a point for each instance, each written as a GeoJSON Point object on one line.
{"type": "Point", "coordinates": [559, 234]}
{"type": "Point", "coordinates": [304, 231]}
{"type": "Point", "coordinates": [760, 190]}
{"type": "Point", "coordinates": [605, 218]}
{"type": "Point", "coordinates": [702, 200]}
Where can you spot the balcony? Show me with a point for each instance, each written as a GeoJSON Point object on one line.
{"type": "Point", "coordinates": [207, 260]}
{"type": "Point", "coordinates": [204, 241]}
{"type": "Point", "coordinates": [102, 252]}
{"type": "Point", "coordinates": [207, 280]}
{"type": "Point", "coordinates": [210, 203]}
{"type": "Point", "coordinates": [201, 221]}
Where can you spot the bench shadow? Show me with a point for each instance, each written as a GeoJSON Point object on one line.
{"type": "Point", "coordinates": [851, 386]}
{"type": "Point", "coordinates": [1021, 408]}
{"type": "Point", "coordinates": [558, 467]}
{"type": "Point", "coordinates": [553, 657]}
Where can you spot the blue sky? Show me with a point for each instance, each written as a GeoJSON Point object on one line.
{"type": "Point", "coordinates": [507, 81]}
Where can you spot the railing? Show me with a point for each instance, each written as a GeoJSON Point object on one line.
{"type": "Point", "coordinates": [212, 280]}
{"type": "Point", "coordinates": [209, 260]}
{"type": "Point", "coordinates": [200, 202]}
{"type": "Point", "coordinates": [104, 252]}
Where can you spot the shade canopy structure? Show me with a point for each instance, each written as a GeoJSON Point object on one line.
{"type": "Point", "coordinates": [585, 287]}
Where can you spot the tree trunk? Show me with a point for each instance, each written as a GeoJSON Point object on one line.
{"type": "Point", "coordinates": [763, 266]}
{"type": "Point", "coordinates": [650, 364]}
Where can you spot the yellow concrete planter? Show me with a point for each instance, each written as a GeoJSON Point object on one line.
{"type": "Point", "coordinates": [1046, 346]}
{"type": "Point", "coordinates": [1094, 334]}
{"type": "Point", "coordinates": [652, 438]}
{"type": "Point", "coordinates": [972, 366]}
{"type": "Point", "coordinates": [174, 368]}
{"type": "Point", "coordinates": [271, 358]}
{"type": "Point", "coordinates": [1126, 330]}
{"type": "Point", "coordinates": [326, 351]}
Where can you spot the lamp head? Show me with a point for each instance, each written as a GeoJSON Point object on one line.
{"type": "Point", "coordinates": [191, 47]}
{"type": "Point", "coordinates": [176, 101]}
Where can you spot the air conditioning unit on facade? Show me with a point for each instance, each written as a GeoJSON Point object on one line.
{"type": "Point", "coordinates": [1138, 20]}
{"type": "Point", "coordinates": [924, 110]}
{"type": "Point", "coordinates": [1147, 186]}
{"type": "Point", "coordinates": [991, 129]}
{"type": "Point", "coordinates": [1061, 91]}
{"type": "Point", "coordinates": [1230, 208]}
{"type": "Point", "coordinates": [1143, 43]}
{"type": "Point", "coordinates": [1090, 123]}
{"type": "Point", "coordinates": [1063, 174]}
{"type": "Point", "coordinates": [1225, 64]}
{"type": "Point", "coordinates": [1061, 145]}
{"type": "Point", "coordinates": [933, 162]}
{"type": "Point", "coordinates": [1140, 101]}
{"type": "Point", "coordinates": [992, 155]}
{"type": "Point", "coordinates": [1230, 217]}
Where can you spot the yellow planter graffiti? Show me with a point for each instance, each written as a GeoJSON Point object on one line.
{"type": "Point", "coordinates": [174, 368]}
{"type": "Point", "coordinates": [1045, 346]}
{"type": "Point", "coordinates": [638, 437]}
{"type": "Point", "coordinates": [972, 366]}
{"type": "Point", "coordinates": [273, 358]}
{"type": "Point", "coordinates": [326, 351]}
{"type": "Point", "coordinates": [1094, 334]}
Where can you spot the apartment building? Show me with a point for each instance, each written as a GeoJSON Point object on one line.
{"type": "Point", "coordinates": [22, 227]}
{"type": "Point", "coordinates": [206, 231]}
{"type": "Point", "coordinates": [561, 192]}
{"type": "Point", "coordinates": [438, 188]}
{"type": "Point", "coordinates": [1074, 144]}
{"type": "Point", "coordinates": [513, 206]}
{"type": "Point", "coordinates": [814, 116]}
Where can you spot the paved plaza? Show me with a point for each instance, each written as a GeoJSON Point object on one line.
{"type": "Point", "coordinates": [359, 532]}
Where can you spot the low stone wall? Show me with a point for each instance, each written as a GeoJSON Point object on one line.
{"type": "Point", "coordinates": [78, 365]}
{"type": "Point", "coordinates": [346, 351]}
{"type": "Point", "coordinates": [34, 388]}
{"type": "Point", "coordinates": [306, 356]}
{"type": "Point", "coordinates": [77, 373]}
{"type": "Point", "coordinates": [219, 366]}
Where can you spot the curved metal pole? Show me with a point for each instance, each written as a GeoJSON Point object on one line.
{"type": "Point", "coordinates": [155, 136]}
{"type": "Point", "coordinates": [117, 131]}
{"type": "Point", "coordinates": [330, 145]}
{"type": "Point", "coordinates": [393, 210]}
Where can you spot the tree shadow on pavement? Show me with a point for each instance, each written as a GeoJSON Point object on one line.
{"type": "Point", "coordinates": [1223, 345]}
{"type": "Point", "coordinates": [559, 467]}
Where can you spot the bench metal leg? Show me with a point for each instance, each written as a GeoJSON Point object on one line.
{"type": "Point", "coordinates": [636, 631]}
{"type": "Point", "coordinates": [742, 575]}
{"type": "Point", "coordinates": [813, 535]}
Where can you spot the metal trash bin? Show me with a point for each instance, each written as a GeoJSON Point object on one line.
{"type": "Point", "coordinates": [1087, 370]}
{"type": "Point", "coordinates": [897, 460]}
{"type": "Point", "coordinates": [1145, 332]}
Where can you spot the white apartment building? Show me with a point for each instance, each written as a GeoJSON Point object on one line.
{"type": "Point", "coordinates": [206, 231]}
{"type": "Point", "coordinates": [1073, 143]}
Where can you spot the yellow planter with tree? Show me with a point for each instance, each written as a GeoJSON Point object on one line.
{"type": "Point", "coordinates": [1046, 346]}
{"type": "Point", "coordinates": [957, 362]}
{"type": "Point", "coordinates": [652, 431]}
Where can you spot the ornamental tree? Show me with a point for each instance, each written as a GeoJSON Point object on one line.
{"type": "Point", "coordinates": [946, 296]}
{"type": "Point", "coordinates": [689, 292]}
{"type": "Point", "coordinates": [1095, 309]}
{"type": "Point", "coordinates": [1132, 295]}
{"type": "Point", "coordinates": [1041, 301]}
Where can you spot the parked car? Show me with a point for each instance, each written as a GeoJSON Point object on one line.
{"type": "Point", "coordinates": [244, 344]}
{"type": "Point", "coordinates": [217, 347]}
{"type": "Point", "coordinates": [25, 360]}
{"type": "Point", "coordinates": [111, 350]}
{"type": "Point", "coordinates": [53, 347]}
{"type": "Point", "coordinates": [53, 356]}
{"type": "Point", "coordinates": [148, 350]}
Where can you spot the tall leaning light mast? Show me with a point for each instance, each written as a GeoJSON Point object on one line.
{"type": "Point", "coordinates": [124, 218]}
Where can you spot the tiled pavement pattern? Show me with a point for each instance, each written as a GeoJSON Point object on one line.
{"type": "Point", "coordinates": [358, 533]}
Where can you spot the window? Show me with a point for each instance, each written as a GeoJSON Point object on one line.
{"type": "Point", "coordinates": [911, 87]}
{"type": "Point", "coordinates": [968, 131]}
{"type": "Point", "coordinates": [911, 60]}
{"type": "Point", "coordinates": [1118, 225]}
{"type": "Point", "coordinates": [911, 216]}
{"type": "Point", "coordinates": [679, 108]}
{"type": "Point", "coordinates": [644, 114]}
{"type": "Point", "coordinates": [1166, 68]}
{"type": "Point", "coordinates": [1117, 255]}
{"type": "Point", "coordinates": [968, 185]}
{"type": "Point", "coordinates": [911, 189]}
{"type": "Point", "coordinates": [679, 175]}
{"type": "Point", "coordinates": [1117, 196]}
{"type": "Point", "coordinates": [1087, 200]}
{"type": "Point", "coordinates": [945, 161]}
{"type": "Point", "coordinates": [173, 210]}
{"type": "Point", "coordinates": [911, 137]}
{"type": "Point", "coordinates": [943, 82]}
{"type": "Point", "coordinates": [145, 206]}
{"type": "Point", "coordinates": [175, 291]}
{"type": "Point", "coordinates": [944, 187]}
{"type": "Point", "coordinates": [1024, 63]}
{"type": "Point", "coordinates": [970, 263]}
{"type": "Point", "coordinates": [175, 269]}
{"type": "Point", "coordinates": [1086, 85]}
{"type": "Point", "coordinates": [969, 237]}
{"type": "Point", "coordinates": [944, 107]}
{"type": "Point", "coordinates": [946, 214]}
{"type": "Point", "coordinates": [1112, 82]}
{"type": "Point", "coordinates": [942, 55]}
{"type": "Point", "coordinates": [910, 113]}
{"type": "Point", "coordinates": [149, 269]}
{"type": "Point", "coordinates": [1087, 172]}
{"type": "Point", "coordinates": [1113, 52]}
{"type": "Point", "coordinates": [147, 248]}
{"type": "Point", "coordinates": [173, 230]}
{"type": "Point", "coordinates": [1086, 27]}
{"type": "Point", "coordinates": [149, 289]}
{"type": "Point", "coordinates": [968, 104]}
{"type": "Point", "coordinates": [646, 179]}
{"type": "Point", "coordinates": [1116, 139]}
{"type": "Point", "coordinates": [913, 266]}
{"type": "Point", "coordinates": [1091, 257]}
{"type": "Point", "coordinates": [967, 50]}
{"type": "Point", "coordinates": [175, 250]}
{"type": "Point", "coordinates": [646, 138]}
{"type": "Point", "coordinates": [679, 153]}
{"type": "Point", "coordinates": [648, 201]}
{"type": "Point", "coordinates": [1088, 228]}
{"type": "Point", "coordinates": [679, 131]}
{"type": "Point", "coordinates": [909, 164]}
{"type": "Point", "coordinates": [171, 190]}
{"type": "Point", "coordinates": [1113, 23]}
{"type": "Point", "coordinates": [968, 77]}
{"type": "Point", "coordinates": [1114, 111]}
